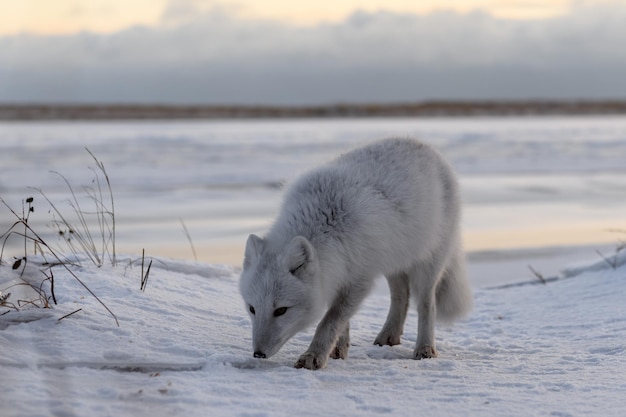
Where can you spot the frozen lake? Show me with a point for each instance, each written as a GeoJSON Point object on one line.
{"type": "Point", "coordinates": [527, 182]}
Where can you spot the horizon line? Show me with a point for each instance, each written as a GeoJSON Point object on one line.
{"type": "Point", "coordinates": [18, 111]}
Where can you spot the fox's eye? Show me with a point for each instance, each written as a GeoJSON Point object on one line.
{"type": "Point", "coordinates": [296, 269]}
{"type": "Point", "coordinates": [280, 311]}
{"type": "Point", "coordinates": [252, 310]}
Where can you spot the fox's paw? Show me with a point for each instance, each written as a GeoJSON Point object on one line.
{"type": "Point", "coordinates": [387, 339]}
{"type": "Point", "coordinates": [425, 352]}
{"type": "Point", "coordinates": [389, 335]}
{"type": "Point", "coordinates": [310, 360]}
{"type": "Point", "coordinates": [341, 350]}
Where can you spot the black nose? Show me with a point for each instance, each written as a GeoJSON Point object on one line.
{"type": "Point", "coordinates": [258, 354]}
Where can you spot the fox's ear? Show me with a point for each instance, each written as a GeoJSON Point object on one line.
{"type": "Point", "coordinates": [253, 248]}
{"type": "Point", "coordinates": [298, 256]}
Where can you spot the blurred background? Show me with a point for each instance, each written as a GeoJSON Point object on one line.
{"type": "Point", "coordinates": [203, 110]}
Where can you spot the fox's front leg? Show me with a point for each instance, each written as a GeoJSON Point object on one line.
{"type": "Point", "coordinates": [324, 341]}
{"type": "Point", "coordinates": [333, 325]}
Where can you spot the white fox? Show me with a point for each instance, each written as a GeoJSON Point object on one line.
{"type": "Point", "coordinates": [391, 208]}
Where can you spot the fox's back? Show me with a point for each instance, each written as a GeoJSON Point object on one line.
{"type": "Point", "coordinates": [386, 201]}
{"type": "Point", "coordinates": [402, 170]}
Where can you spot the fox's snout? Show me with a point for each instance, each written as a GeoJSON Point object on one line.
{"type": "Point", "coordinates": [259, 354]}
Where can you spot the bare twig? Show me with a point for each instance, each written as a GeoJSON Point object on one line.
{"type": "Point", "coordinates": [612, 263]}
{"type": "Point", "coordinates": [26, 216]}
{"type": "Point", "coordinates": [51, 279]}
{"type": "Point", "coordinates": [143, 257]}
{"type": "Point", "coordinates": [537, 274]}
{"type": "Point", "coordinates": [6, 235]}
{"type": "Point", "coordinates": [67, 315]}
{"type": "Point", "coordinates": [193, 249]}
{"type": "Point", "coordinates": [144, 278]}
{"type": "Point", "coordinates": [621, 244]}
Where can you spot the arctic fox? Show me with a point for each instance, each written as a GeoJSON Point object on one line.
{"type": "Point", "coordinates": [391, 208]}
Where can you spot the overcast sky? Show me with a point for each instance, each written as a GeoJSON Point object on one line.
{"type": "Point", "coordinates": [215, 53]}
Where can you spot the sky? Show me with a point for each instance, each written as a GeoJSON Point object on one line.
{"type": "Point", "coordinates": [105, 16]}
{"type": "Point", "coordinates": [310, 52]}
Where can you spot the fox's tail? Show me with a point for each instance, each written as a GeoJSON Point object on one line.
{"type": "Point", "coordinates": [454, 294]}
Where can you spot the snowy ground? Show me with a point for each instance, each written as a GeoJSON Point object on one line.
{"type": "Point", "coordinates": [183, 348]}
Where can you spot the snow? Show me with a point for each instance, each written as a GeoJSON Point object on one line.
{"type": "Point", "coordinates": [183, 347]}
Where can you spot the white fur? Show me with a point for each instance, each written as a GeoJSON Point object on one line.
{"type": "Point", "coordinates": [391, 208]}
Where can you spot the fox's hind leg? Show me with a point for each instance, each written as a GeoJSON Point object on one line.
{"type": "Point", "coordinates": [423, 278]}
{"type": "Point", "coordinates": [343, 345]}
{"type": "Point", "coordinates": [394, 325]}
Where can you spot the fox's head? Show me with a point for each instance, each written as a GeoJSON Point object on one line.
{"type": "Point", "coordinates": [281, 290]}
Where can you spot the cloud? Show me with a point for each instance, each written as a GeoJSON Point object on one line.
{"type": "Point", "coordinates": [207, 54]}
{"type": "Point", "coordinates": [178, 12]}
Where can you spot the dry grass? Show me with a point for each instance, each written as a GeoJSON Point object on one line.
{"type": "Point", "coordinates": [95, 243]}
{"type": "Point", "coordinates": [76, 231]}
